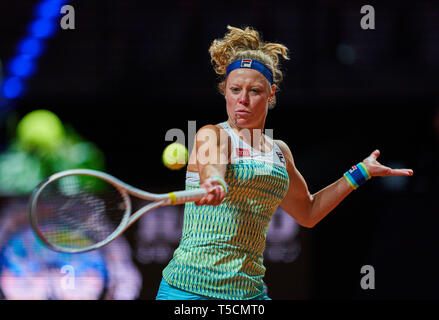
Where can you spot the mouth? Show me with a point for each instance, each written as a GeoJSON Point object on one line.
{"type": "Point", "coordinates": [241, 112]}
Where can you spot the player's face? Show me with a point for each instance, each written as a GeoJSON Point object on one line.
{"type": "Point", "coordinates": [247, 92]}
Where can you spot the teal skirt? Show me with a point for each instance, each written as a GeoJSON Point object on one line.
{"type": "Point", "coordinates": [168, 292]}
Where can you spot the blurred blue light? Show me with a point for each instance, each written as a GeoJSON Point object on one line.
{"type": "Point", "coordinates": [31, 47]}
{"type": "Point", "coordinates": [22, 66]}
{"type": "Point", "coordinates": [12, 88]}
{"type": "Point", "coordinates": [49, 8]}
{"type": "Point", "coordinates": [43, 28]}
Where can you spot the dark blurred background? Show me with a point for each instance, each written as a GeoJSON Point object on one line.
{"type": "Point", "coordinates": [131, 71]}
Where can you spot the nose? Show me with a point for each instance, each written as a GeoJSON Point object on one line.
{"type": "Point", "coordinates": [243, 99]}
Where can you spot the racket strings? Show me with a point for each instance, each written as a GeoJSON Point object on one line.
{"type": "Point", "coordinates": [76, 212]}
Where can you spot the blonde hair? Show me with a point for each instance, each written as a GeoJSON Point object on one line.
{"type": "Point", "coordinates": [246, 44]}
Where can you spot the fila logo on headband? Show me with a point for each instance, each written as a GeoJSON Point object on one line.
{"type": "Point", "coordinates": [250, 64]}
{"type": "Point", "coordinates": [246, 63]}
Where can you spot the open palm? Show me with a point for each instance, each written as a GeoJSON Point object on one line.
{"type": "Point", "coordinates": [376, 169]}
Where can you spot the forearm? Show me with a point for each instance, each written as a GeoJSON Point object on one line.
{"type": "Point", "coordinates": [210, 170]}
{"type": "Point", "coordinates": [217, 188]}
{"type": "Point", "coordinates": [327, 199]}
{"type": "Point", "coordinates": [308, 209]}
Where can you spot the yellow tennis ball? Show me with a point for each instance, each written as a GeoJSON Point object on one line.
{"type": "Point", "coordinates": [40, 129]}
{"type": "Point", "coordinates": [175, 156]}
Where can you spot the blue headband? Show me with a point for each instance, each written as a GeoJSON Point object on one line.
{"type": "Point", "coordinates": [251, 64]}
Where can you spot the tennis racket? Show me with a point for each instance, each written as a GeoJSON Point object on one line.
{"type": "Point", "coordinates": [81, 210]}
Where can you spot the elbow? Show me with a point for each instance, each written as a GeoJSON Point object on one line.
{"type": "Point", "coordinates": [307, 223]}
{"type": "Point", "coordinates": [302, 218]}
{"type": "Point", "coordinates": [307, 220]}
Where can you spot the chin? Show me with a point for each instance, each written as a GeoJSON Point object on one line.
{"type": "Point", "coordinates": [243, 123]}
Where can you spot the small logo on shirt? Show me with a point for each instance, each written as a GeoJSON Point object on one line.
{"type": "Point", "coordinates": [281, 157]}
{"type": "Point", "coordinates": [241, 152]}
{"type": "Point", "coordinates": [246, 63]}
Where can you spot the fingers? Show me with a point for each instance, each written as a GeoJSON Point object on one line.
{"type": "Point", "coordinates": [375, 154]}
{"type": "Point", "coordinates": [400, 172]}
{"type": "Point", "coordinates": [377, 169]}
{"type": "Point", "coordinates": [383, 171]}
{"type": "Point", "coordinates": [215, 196]}
{"type": "Point", "coordinates": [372, 158]}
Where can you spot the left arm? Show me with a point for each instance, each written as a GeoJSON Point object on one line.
{"type": "Point", "coordinates": [308, 209]}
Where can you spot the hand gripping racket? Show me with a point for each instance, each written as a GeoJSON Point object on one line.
{"type": "Point", "coordinates": [80, 210]}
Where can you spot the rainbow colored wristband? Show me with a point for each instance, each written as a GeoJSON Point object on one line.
{"type": "Point", "coordinates": [221, 181]}
{"type": "Point", "coordinates": [357, 175]}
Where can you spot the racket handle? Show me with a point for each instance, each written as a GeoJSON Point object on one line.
{"type": "Point", "coordinates": [179, 197]}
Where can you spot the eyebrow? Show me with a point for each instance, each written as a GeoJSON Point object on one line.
{"type": "Point", "coordinates": [255, 85]}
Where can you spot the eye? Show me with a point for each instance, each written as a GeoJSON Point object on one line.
{"type": "Point", "coordinates": [234, 89]}
{"type": "Point", "coordinates": [256, 91]}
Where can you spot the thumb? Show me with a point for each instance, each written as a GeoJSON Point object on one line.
{"type": "Point", "coordinates": [376, 154]}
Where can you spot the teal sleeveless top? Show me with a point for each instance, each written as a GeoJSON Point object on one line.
{"type": "Point", "coordinates": [220, 254]}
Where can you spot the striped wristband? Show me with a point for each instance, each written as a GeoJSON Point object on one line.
{"type": "Point", "coordinates": [357, 175]}
{"type": "Point", "coordinates": [221, 181]}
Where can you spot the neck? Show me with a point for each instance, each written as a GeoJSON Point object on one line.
{"type": "Point", "coordinates": [252, 136]}
{"type": "Point", "coordinates": [234, 125]}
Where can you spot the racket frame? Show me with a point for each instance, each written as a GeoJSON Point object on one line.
{"type": "Point", "coordinates": [171, 198]}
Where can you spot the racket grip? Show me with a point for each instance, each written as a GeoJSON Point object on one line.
{"type": "Point", "coordinates": [179, 197]}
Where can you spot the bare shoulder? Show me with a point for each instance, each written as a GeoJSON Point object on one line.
{"type": "Point", "coordinates": [212, 133]}
{"type": "Point", "coordinates": [206, 135]}
{"type": "Point", "coordinates": [211, 144]}
{"type": "Point", "coordinates": [210, 130]}
{"type": "Point", "coordinates": [214, 127]}
{"type": "Point", "coordinates": [286, 151]}
{"type": "Point", "coordinates": [283, 147]}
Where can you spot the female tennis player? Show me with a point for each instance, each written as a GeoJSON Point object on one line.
{"type": "Point", "coordinates": [247, 175]}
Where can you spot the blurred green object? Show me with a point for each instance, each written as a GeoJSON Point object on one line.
{"type": "Point", "coordinates": [29, 159]}
{"type": "Point", "coordinates": [75, 155]}
{"type": "Point", "coordinates": [40, 130]}
{"type": "Point", "coordinates": [20, 172]}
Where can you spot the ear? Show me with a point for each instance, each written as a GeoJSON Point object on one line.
{"type": "Point", "coordinates": [273, 93]}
